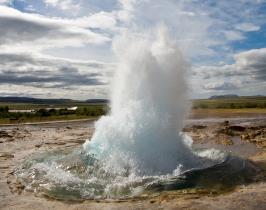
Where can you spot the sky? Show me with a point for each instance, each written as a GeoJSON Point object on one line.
{"type": "Point", "coordinates": [63, 48]}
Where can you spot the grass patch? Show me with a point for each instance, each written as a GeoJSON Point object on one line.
{"type": "Point", "coordinates": [236, 103]}
{"type": "Point", "coordinates": [50, 113]}
{"type": "Point", "coordinates": [202, 108]}
{"type": "Point", "coordinates": [227, 113]}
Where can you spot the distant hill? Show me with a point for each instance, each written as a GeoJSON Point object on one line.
{"type": "Point", "coordinates": [227, 96]}
{"type": "Point", "coordinates": [100, 101]}
{"type": "Point", "coordinates": [49, 101]}
{"type": "Point", "coordinates": [33, 100]}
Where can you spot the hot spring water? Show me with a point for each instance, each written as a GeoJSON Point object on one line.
{"type": "Point", "coordinates": [138, 148]}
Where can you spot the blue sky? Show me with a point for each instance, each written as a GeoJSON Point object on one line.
{"type": "Point", "coordinates": [63, 48]}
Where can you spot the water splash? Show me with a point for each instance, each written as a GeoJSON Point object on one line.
{"type": "Point", "coordinates": [148, 106]}
{"type": "Point", "coordinates": [75, 175]}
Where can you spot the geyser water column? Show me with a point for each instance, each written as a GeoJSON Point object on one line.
{"type": "Point", "coordinates": [148, 105]}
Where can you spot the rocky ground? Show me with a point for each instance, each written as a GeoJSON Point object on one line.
{"type": "Point", "coordinates": [243, 137]}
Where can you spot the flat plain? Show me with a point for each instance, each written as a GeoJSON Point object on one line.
{"type": "Point", "coordinates": [244, 136]}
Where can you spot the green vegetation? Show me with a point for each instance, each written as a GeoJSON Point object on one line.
{"type": "Point", "coordinates": [231, 103]}
{"type": "Point", "coordinates": [36, 106]}
{"type": "Point", "coordinates": [46, 113]}
{"type": "Point", "coordinates": [221, 107]}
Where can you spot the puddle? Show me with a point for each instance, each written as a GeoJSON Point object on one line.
{"type": "Point", "coordinates": [238, 148]}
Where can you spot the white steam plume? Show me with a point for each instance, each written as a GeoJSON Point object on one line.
{"type": "Point", "coordinates": [148, 106]}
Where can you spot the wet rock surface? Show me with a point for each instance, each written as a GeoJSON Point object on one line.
{"type": "Point", "coordinates": [17, 143]}
{"type": "Point", "coordinates": [221, 133]}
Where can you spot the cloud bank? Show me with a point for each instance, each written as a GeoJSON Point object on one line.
{"type": "Point", "coordinates": [63, 48]}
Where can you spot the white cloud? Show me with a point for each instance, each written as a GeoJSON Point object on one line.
{"type": "Point", "coordinates": [127, 10]}
{"type": "Point", "coordinates": [79, 93]}
{"type": "Point", "coordinates": [247, 27]}
{"type": "Point", "coordinates": [188, 24]}
{"type": "Point", "coordinates": [223, 85]}
{"type": "Point", "coordinates": [204, 33]}
{"type": "Point", "coordinates": [233, 35]}
{"type": "Point", "coordinates": [248, 72]}
{"type": "Point", "coordinates": [25, 31]}
{"type": "Point", "coordinates": [101, 20]}
{"type": "Point", "coordinates": [187, 13]}
{"type": "Point", "coordinates": [4, 2]}
{"type": "Point", "coordinates": [253, 63]}
{"type": "Point", "coordinates": [198, 26]}
{"type": "Point", "coordinates": [23, 65]}
{"type": "Point", "coordinates": [40, 74]}
{"type": "Point", "coordinates": [30, 8]}
{"type": "Point", "coordinates": [63, 4]}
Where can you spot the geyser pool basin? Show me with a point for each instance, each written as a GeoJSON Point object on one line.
{"type": "Point", "coordinates": [75, 176]}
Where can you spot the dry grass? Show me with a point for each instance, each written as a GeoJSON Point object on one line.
{"type": "Point", "coordinates": [227, 113]}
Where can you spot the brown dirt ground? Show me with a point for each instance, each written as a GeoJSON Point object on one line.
{"type": "Point", "coordinates": [19, 141]}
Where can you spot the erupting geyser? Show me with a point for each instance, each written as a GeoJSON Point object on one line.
{"type": "Point", "coordinates": [148, 105]}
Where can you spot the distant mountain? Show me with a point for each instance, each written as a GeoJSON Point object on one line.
{"type": "Point", "coordinates": [49, 101]}
{"type": "Point", "coordinates": [259, 96]}
{"type": "Point", "coordinates": [33, 100]}
{"type": "Point", "coordinates": [227, 96]}
{"type": "Point", "coordinates": [97, 101]}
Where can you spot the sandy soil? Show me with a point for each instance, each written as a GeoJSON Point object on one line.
{"type": "Point", "coordinates": [243, 137]}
